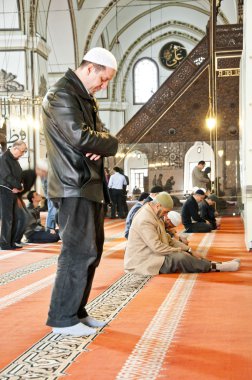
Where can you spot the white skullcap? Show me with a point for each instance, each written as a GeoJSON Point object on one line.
{"type": "Point", "coordinates": [102, 57]}
{"type": "Point", "coordinates": [174, 217]}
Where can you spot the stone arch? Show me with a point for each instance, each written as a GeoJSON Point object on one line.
{"type": "Point", "coordinates": [199, 151]}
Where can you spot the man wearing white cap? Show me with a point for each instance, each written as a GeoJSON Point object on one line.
{"type": "Point", "coordinates": [76, 144]}
{"type": "Point", "coordinates": [150, 250]}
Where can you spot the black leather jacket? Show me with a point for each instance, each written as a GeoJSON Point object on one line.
{"type": "Point", "coordinates": [10, 171]}
{"type": "Point", "coordinates": [72, 128]}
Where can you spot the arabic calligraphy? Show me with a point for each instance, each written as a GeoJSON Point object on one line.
{"type": "Point", "coordinates": [172, 54]}
{"type": "Point", "coordinates": [15, 136]}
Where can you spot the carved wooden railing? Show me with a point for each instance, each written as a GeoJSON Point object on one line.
{"type": "Point", "coordinates": [228, 39]}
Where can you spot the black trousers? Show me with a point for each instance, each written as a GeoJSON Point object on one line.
{"type": "Point", "coordinates": [199, 227]}
{"type": "Point", "coordinates": [43, 237]}
{"type": "Point", "coordinates": [116, 196]}
{"type": "Point", "coordinates": [9, 215]}
{"type": "Point", "coordinates": [22, 219]}
{"type": "Point", "coordinates": [81, 225]}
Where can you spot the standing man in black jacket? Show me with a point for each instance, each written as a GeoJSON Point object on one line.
{"type": "Point", "coordinates": [10, 186]}
{"type": "Point", "coordinates": [190, 214]}
{"type": "Point", "coordinates": [76, 145]}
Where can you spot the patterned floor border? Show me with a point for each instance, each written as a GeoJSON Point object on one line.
{"type": "Point", "coordinates": [146, 360]}
{"type": "Point", "coordinates": [49, 358]}
{"type": "Point", "coordinates": [18, 273]}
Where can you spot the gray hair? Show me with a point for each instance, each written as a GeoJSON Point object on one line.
{"type": "Point", "coordinates": [18, 143]}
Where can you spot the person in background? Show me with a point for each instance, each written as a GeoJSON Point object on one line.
{"type": "Point", "coordinates": [107, 177]}
{"type": "Point", "coordinates": [169, 184]}
{"type": "Point", "coordinates": [190, 214]}
{"type": "Point", "coordinates": [155, 190]}
{"type": "Point", "coordinates": [107, 174]}
{"type": "Point", "coordinates": [136, 192]}
{"type": "Point", "coordinates": [76, 146]}
{"type": "Point", "coordinates": [124, 199]}
{"type": "Point", "coordinates": [206, 174]}
{"type": "Point", "coordinates": [116, 185]}
{"type": "Point", "coordinates": [154, 181]}
{"type": "Point", "coordinates": [35, 232]}
{"type": "Point", "coordinates": [10, 187]}
{"type": "Point", "coordinates": [145, 198]}
{"type": "Point", "coordinates": [42, 172]}
{"type": "Point", "coordinates": [160, 180]}
{"type": "Point", "coordinates": [208, 212]}
{"type": "Point", "coordinates": [198, 178]}
{"type": "Point", "coordinates": [133, 211]}
{"type": "Point", "coordinates": [151, 251]}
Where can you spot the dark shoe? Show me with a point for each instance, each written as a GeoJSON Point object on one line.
{"type": "Point", "coordinates": [15, 246]}
{"type": "Point", "coordinates": [8, 248]}
{"type": "Point", "coordinates": [19, 245]}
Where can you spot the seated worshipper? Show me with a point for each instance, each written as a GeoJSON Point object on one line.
{"type": "Point", "coordinates": [190, 214]}
{"type": "Point", "coordinates": [207, 211]}
{"type": "Point", "coordinates": [206, 174]}
{"type": "Point", "coordinates": [173, 219]}
{"type": "Point", "coordinates": [133, 211]}
{"type": "Point", "coordinates": [153, 192]}
{"type": "Point", "coordinates": [150, 250]}
{"type": "Point", "coordinates": [42, 172]}
{"type": "Point", "coordinates": [35, 232]}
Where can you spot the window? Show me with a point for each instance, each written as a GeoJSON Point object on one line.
{"type": "Point", "coordinates": [145, 77]}
{"type": "Point", "coordinates": [9, 19]}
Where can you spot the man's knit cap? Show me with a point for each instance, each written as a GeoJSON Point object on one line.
{"type": "Point", "coordinates": [200, 192]}
{"type": "Point", "coordinates": [164, 199]}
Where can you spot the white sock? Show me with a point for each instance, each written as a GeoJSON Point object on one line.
{"type": "Point", "coordinates": [228, 266]}
{"type": "Point", "coordinates": [76, 330]}
{"type": "Point", "coordinates": [92, 322]}
{"type": "Point", "coordinates": [238, 260]}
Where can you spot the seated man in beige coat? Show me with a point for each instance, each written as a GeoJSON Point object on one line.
{"type": "Point", "coordinates": [150, 250]}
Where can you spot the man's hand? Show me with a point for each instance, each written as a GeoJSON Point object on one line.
{"type": "Point", "coordinates": [184, 240]}
{"type": "Point", "coordinates": [53, 232]}
{"type": "Point", "coordinates": [93, 156]}
{"type": "Point", "coordinates": [15, 190]}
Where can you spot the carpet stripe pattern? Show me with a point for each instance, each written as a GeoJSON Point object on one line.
{"type": "Point", "coordinates": [148, 355]}
{"type": "Point", "coordinates": [153, 322]}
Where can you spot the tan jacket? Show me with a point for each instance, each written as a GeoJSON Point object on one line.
{"type": "Point", "coordinates": [148, 243]}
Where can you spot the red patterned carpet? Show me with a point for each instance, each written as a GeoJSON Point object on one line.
{"type": "Point", "coordinates": [181, 326]}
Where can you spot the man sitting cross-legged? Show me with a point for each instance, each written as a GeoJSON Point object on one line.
{"type": "Point", "coordinates": [35, 232]}
{"type": "Point", "coordinates": [150, 250]}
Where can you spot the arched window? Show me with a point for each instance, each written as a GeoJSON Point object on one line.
{"type": "Point", "coordinates": [145, 77]}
